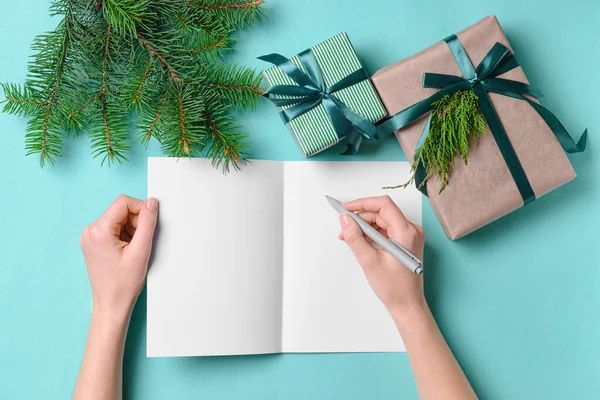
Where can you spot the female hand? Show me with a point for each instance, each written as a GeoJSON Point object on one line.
{"type": "Point", "coordinates": [396, 286]}
{"type": "Point", "coordinates": [117, 248]}
{"type": "Point", "coordinates": [437, 374]}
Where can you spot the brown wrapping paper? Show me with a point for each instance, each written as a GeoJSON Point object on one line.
{"type": "Point", "coordinates": [484, 190]}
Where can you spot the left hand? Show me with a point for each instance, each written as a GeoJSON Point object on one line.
{"type": "Point", "coordinates": [116, 249]}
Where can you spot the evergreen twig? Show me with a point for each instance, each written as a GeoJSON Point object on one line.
{"type": "Point", "coordinates": [456, 123]}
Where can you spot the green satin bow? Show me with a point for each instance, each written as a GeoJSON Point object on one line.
{"type": "Point", "coordinates": [311, 91]}
{"type": "Point", "coordinates": [482, 80]}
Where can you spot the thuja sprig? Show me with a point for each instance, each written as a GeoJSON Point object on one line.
{"type": "Point", "coordinates": [160, 59]}
{"type": "Point", "coordinates": [456, 123]}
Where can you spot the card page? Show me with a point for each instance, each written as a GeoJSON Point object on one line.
{"type": "Point", "coordinates": [328, 305]}
{"type": "Point", "coordinates": [215, 281]}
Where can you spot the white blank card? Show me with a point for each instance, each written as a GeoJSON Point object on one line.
{"type": "Point", "coordinates": [250, 262]}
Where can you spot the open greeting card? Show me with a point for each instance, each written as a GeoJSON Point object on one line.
{"type": "Point", "coordinates": [250, 262]}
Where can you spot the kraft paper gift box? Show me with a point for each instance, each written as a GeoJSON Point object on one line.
{"type": "Point", "coordinates": [484, 190]}
{"type": "Point", "coordinates": [313, 131]}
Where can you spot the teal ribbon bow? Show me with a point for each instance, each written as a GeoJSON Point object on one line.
{"type": "Point", "coordinates": [312, 91]}
{"type": "Point", "coordinates": [482, 80]}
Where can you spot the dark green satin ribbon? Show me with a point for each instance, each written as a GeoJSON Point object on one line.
{"type": "Point", "coordinates": [482, 80]}
{"type": "Point", "coordinates": [311, 91]}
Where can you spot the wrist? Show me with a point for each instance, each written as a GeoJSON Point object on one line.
{"type": "Point", "coordinates": [111, 317]}
{"type": "Point", "coordinates": [408, 314]}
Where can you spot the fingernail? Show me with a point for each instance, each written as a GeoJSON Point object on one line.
{"type": "Point", "coordinates": [343, 220]}
{"type": "Point", "coordinates": [152, 204]}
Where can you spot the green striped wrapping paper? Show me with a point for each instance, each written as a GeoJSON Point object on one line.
{"type": "Point", "coordinates": [313, 130]}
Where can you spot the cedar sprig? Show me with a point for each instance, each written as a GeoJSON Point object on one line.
{"type": "Point", "coordinates": [160, 59]}
{"type": "Point", "coordinates": [456, 123]}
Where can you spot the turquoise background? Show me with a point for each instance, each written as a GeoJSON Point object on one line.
{"type": "Point", "coordinates": [518, 301]}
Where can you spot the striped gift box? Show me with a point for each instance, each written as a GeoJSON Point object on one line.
{"type": "Point", "coordinates": [313, 130]}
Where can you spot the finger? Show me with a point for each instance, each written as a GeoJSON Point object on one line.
{"type": "Point", "coordinates": [125, 237]}
{"type": "Point", "coordinates": [118, 212]}
{"type": "Point", "coordinates": [373, 218]}
{"type": "Point", "coordinates": [133, 220]}
{"type": "Point", "coordinates": [144, 232]}
{"type": "Point", "coordinates": [385, 206]}
{"type": "Point", "coordinates": [368, 239]}
{"type": "Point", "coordinates": [382, 231]}
{"type": "Point", "coordinates": [129, 229]}
{"type": "Point", "coordinates": [354, 237]}
{"type": "Point", "coordinates": [131, 224]}
{"type": "Point", "coordinates": [371, 242]}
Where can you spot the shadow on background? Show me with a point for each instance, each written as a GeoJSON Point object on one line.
{"type": "Point", "coordinates": [135, 346]}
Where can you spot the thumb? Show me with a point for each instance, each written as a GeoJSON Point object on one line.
{"type": "Point", "coordinates": [354, 237]}
{"type": "Point", "coordinates": [141, 242]}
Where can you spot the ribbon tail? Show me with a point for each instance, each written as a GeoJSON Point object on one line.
{"type": "Point", "coordinates": [342, 125]}
{"type": "Point", "coordinates": [353, 139]}
{"type": "Point", "coordinates": [501, 86]}
{"type": "Point", "coordinates": [354, 78]}
{"type": "Point", "coordinates": [421, 167]}
{"type": "Point", "coordinates": [420, 177]}
{"type": "Point", "coordinates": [509, 63]}
{"type": "Point", "coordinates": [363, 125]}
{"type": "Point", "coordinates": [506, 148]}
{"type": "Point", "coordinates": [564, 138]}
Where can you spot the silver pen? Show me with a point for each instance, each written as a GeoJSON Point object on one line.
{"type": "Point", "coordinates": [391, 246]}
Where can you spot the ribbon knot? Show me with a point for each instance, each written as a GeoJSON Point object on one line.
{"type": "Point", "coordinates": [310, 91]}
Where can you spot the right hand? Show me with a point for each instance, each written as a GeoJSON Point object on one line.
{"type": "Point", "coordinates": [396, 286]}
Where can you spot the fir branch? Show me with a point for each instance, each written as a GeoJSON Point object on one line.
{"type": "Point", "coordinates": [29, 102]}
{"type": "Point", "coordinates": [146, 138]}
{"type": "Point", "coordinates": [181, 134]}
{"type": "Point", "coordinates": [254, 88]}
{"type": "Point", "coordinates": [136, 99]}
{"type": "Point", "coordinates": [239, 86]}
{"type": "Point", "coordinates": [174, 76]}
{"type": "Point", "coordinates": [225, 144]}
{"type": "Point", "coordinates": [246, 4]}
{"type": "Point", "coordinates": [109, 132]}
{"type": "Point", "coordinates": [160, 58]}
{"type": "Point", "coordinates": [84, 106]}
{"type": "Point", "coordinates": [218, 45]}
{"type": "Point", "coordinates": [218, 136]}
{"type": "Point", "coordinates": [184, 142]}
{"type": "Point", "coordinates": [109, 145]}
{"type": "Point", "coordinates": [234, 14]}
{"type": "Point", "coordinates": [44, 144]}
{"type": "Point", "coordinates": [200, 46]}
{"type": "Point", "coordinates": [21, 100]}
{"type": "Point", "coordinates": [125, 15]}
{"type": "Point", "coordinates": [182, 21]}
